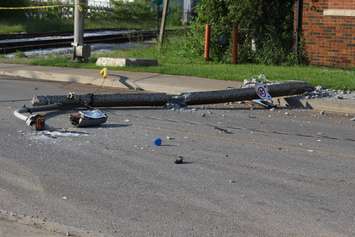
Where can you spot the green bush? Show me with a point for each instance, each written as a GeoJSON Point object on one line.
{"type": "Point", "coordinates": [12, 14]}
{"type": "Point", "coordinates": [268, 22]}
{"type": "Point", "coordinates": [137, 11]}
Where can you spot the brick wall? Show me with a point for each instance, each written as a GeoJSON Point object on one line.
{"type": "Point", "coordinates": [329, 40]}
{"type": "Point", "coordinates": [341, 4]}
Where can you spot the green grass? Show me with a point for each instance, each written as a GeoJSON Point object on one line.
{"type": "Point", "coordinates": [175, 60]}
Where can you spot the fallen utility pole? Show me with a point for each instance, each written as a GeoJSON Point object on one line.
{"type": "Point", "coordinates": [161, 99]}
{"type": "Point", "coordinates": [71, 101]}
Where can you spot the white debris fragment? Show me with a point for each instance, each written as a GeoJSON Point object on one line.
{"type": "Point", "coordinates": [251, 83]}
{"type": "Point", "coordinates": [64, 198]}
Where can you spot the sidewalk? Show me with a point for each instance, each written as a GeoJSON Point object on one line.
{"type": "Point", "coordinates": [153, 82]}
{"type": "Point", "coordinates": [120, 79]}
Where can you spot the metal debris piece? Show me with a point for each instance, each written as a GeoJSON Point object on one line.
{"type": "Point", "coordinates": [222, 130]}
{"type": "Point", "coordinates": [179, 160]}
{"type": "Point", "coordinates": [88, 118]}
{"type": "Point", "coordinates": [264, 103]}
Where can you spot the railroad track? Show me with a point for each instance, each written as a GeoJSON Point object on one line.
{"type": "Point", "coordinates": [25, 42]}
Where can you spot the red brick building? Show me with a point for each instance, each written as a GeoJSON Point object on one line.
{"type": "Point", "coordinates": [328, 30]}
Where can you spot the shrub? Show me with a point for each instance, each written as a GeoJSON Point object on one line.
{"type": "Point", "coordinates": [268, 22]}
{"type": "Point", "coordinates": [135, 12]}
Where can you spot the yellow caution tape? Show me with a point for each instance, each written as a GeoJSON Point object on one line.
{"type": "Point", "coordinates": [37, 7]}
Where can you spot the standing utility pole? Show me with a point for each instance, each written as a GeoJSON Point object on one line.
{"type": "Point", "coordinates": [163, 22]}
{"type": "Point", "coordinates": [81, 51]}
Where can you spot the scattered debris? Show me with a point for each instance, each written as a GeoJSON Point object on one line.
{"type": "Point", "coordinates": [64, 198]}
{"type": "Point", "coordinates": [169, 138]}
{"type": "Point", "coordinates": [321, 92]}
{"type": "Point", "coordinates": [56, 134]}
{"type": "Point", "coordinates": [176, 103]}
{"type": "Point", "coordinates": [232, 181]}
{"type": "Point", "coordinates": [179, 160]}
{"type": "Point", "coordinates": [322, 112]}
{"type": "Point", "coordinates": [255, 80]}
{"type": "Point", "coordinates": [127, 121]}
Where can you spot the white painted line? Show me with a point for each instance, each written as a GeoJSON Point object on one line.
{"type": "Point", "coordinates": [339, 12]}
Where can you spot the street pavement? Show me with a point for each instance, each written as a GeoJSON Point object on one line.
{"type": "Point", "coordinates": [246, 172]}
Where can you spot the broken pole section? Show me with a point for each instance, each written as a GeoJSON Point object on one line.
{"type": "Point", "coordinates": [105, 100]}
{"type": "Point", "coordinates": [207, 42]}
{"type": "Point", "coordinates": [244, 94]}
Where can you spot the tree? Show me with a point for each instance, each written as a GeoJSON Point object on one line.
{"type": "Point", "coordinates": [268, 22]}
{"type": "Point", "coordinates": [133, 11]}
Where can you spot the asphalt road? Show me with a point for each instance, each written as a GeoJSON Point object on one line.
{"type": "Point", "coordinates": [247, 173]}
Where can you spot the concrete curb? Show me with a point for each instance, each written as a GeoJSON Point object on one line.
{"type": "Point", "coordinates": [63, 77]}
{"type": "Point", "coordinates": [328, 105]}
{"type": "Point", "coordinates": [331, 105]}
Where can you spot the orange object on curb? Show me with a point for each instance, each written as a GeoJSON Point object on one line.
{"type": "Point", "coordinates": [207, 41]}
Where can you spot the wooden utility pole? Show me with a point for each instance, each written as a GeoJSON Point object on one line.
{"type": "Point", "coordinates": [235, 39]}
{"type": "Point", "coordinates": [207, 42]}
{"type": "Point", "coordinates": [163, 22]}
